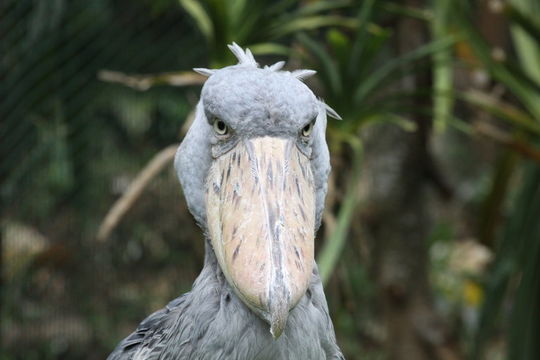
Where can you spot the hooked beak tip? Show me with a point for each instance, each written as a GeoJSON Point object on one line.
{"type": "Point", "coordinates": [279, 313]}
{"type": "Point", "coordinates": [276, 329]}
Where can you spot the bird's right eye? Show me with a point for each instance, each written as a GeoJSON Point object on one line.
{"type": "Point", "coordinates": [220, 127]}
{"type": "Point", "coordinates": [308, 129]}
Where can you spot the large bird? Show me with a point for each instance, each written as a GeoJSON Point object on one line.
{"type": "Point", "coordinates": [254, 167]}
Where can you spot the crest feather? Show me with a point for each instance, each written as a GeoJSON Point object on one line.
{"type": "Point", "coordinates": [204, 71]}
{"type": "Point", "coordinates": [249, 55]}
{"type": "Point", "coordinates": [244, 57]}
{"type": "Point", "coordinates": [277, 66]}
{"type": "Point", "coordinates": [303, 73]}
{"type": "Point", "coordinates": [331, 112]}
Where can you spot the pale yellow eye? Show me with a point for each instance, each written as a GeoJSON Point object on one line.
{"type": "Point", "coordinates": [220, 127]}
{"type": "Point", "coordinates": [308, 129]}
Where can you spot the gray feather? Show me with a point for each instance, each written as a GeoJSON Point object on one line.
{"type": "Point", "coordinates": [204, 71]}
{"type": "Point", "coordinates": [331, 112]}
{"type": "Point", "coordinates": [211, 323]}
{"type": "Point", "coordinates": [277, 66]}
{"type": "Point", "coordinates": [244, 57]}
{"type": "Point", "coordinates": [303, 74]}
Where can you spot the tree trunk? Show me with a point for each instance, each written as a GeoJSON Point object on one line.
{"type": "Point", "coordinates": [402, 169]}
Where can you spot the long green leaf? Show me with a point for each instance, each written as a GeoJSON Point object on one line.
{"type": "Point", "coordinates": [312, 22]}
{"type": "Point", "coordinates": [361, 34]}
{"type": "Point", "coordinates": [502, 110]}
{"type": "Point", "coordinates": [318, 7]}
{"type": "Point", "coordinates": [524, 92]}
{"type": "Point", "coordinates": [237, 10]}
{"type": "Point", "coordinates": [331, 71]}
{"type": "Point", "coordinates": [269, 49]}
{"type": "Point", "coordinates": [524, 327]}
{"type": "Point", "coordinates": [526, 35]}
{"type": "Point", "coordinates": [525, 20]}
{"type": "Point", "coordinates": [199, 14]}
{"type": "Point", "coordinates": [333, 246]}
{"type": "Point", "coordinates": [387, 69]}
{"type": "Point", "coordinates": [523, 339]}
{"type": "Point", "coordinates": [373, 45]}
{"type": "Point", "coordinates": [408, 11]}
{"type": "Point", "coordinates": [517, 254]}
{"type": "Point", "coordinates": [442, 66]}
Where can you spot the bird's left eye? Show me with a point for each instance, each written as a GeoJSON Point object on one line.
{"type": "Point", "coordinates": [220, 127]}
{"type": "Point", "coordinates": [308, 129]}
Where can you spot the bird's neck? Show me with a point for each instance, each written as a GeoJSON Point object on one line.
{"type": "Point", "coordinates": [210, 259]}
{"type": "Point", "coordinates": [211, 272]}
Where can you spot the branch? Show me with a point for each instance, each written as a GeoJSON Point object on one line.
{"type": "Point", "coordinates": [502, 137]}
{"type": "Point", "coordinates": [145, 82]}
{"type": "Point", "coordinates": [135, 189]}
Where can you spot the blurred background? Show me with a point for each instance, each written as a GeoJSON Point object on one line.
{"type": "Point", "coordinates": [430, 245]}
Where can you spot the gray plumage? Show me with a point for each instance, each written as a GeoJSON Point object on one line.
{"type": "Point", "coordinates": [211, 322]}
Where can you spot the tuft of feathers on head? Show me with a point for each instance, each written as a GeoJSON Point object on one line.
{"type": "Point", "coordinates": [245, 58]}
{"type": "Point", "coordinates": [276, 67]}
{"type": "Point", "coordinates": [303, 73]}
{"type": "Point", "coordinates": [329, 111]}
{"type": "Point", "coordinates": [205, 71]}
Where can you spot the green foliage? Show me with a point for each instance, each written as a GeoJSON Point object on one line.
{"type": "Point", "coordinates": [442, 66]}
{"type": "Point", "coordinates": [353, 77]}
{"type": "Point", "coordinates": [526, 32]}
{"type": "Point", "coordinates": [524, 233]}
{"type": "Point", "coordinates": [74, 142]}
{"type": "Point", "coordinates": [518, 254]}
{"type": "Point", "coordinates": [520, 80]}
{"type": "Point", "coordinates": [261, 25]}
{"type": "Point", "coordinates": [517, 260]}
{"type": "Point", "coordinates": [334, 245]}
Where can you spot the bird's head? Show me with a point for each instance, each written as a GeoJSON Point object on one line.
{"type": "Point", "coordinates": [254, 168]}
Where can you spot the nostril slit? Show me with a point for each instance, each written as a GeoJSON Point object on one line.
{"type": "Point", "coordinates": [228, 298]}
{"type": "Point", "coordinates": [308, 293]}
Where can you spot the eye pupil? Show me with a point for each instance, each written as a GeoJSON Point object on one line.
{"type": "Point", "coordinates": [220, 127]}
{"type": "Point", "coordinates": [306, 131]}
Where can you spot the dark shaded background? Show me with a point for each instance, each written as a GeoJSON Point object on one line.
{"type": "Point", "coordinates": [430, 246]}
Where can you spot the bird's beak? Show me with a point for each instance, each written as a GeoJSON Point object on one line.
{"type": "Point", "coordinates": [260, 201]}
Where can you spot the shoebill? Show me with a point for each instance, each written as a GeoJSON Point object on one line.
{"type": "Point", "coordinates": [254, 168]}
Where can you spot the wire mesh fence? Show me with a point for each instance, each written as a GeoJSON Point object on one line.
{"type": "Point", "coordinates": [70, 144]}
